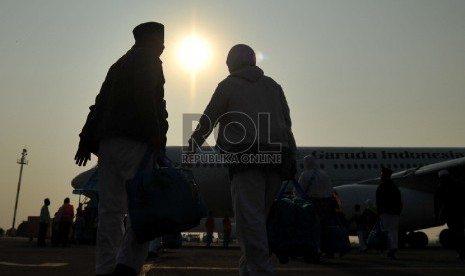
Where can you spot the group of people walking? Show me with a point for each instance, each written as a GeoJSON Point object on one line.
{"type": "Point", "coordinates": [129, 119]}
{"type": "Point", "coordinates": [210, 228]}
{"type": "Point", "coordinates": [60, 224]}
{"type": "Point", "coordinates": [385, 214]}
{"type": "Point", "coordinates": [317, 185]}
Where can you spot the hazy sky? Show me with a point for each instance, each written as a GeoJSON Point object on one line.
{"type": "Point", "coordinates": [355, 73]}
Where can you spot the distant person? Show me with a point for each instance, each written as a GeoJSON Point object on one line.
{"type": "Point", "coordinates": [66, 217]}
{"type": "Point", "coordinates": [239, 102]}
{"type": "Point", "coordinates": [79, 227]}
{"type": "Point", "coordinates": [55, 237]}
{"type": "Point", "coordinates": [226, 231]}
{"type": "Point", "coordinates": [339, 214]}
{"type": "Point", "coordinates": [448, 207]}
{"type": "Point", "coordinates": [370, 214]}
{"type": "Point", "coordinates": [317, 185]}
{"type": "Point", "coordinates": [364, 222]}
{"type": "Point", "coordinates": [389, 203]}
{"type": "Point", "coordinates": [360, 228]}
{"type": "Point", "coordinates": [44, 222]}
{"type": "Point", "coordinates": [210, 227]}
{"type": "Point", "coordinates": [128, 119]}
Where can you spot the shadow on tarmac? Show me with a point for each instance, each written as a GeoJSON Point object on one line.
{"type": "Point", "coordinates": [19, 256]}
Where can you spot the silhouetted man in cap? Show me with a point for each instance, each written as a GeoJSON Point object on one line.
{"type": "Point", "coordinates": [128, 118]}
{"type": "Point", "coordinates": [44, 222]}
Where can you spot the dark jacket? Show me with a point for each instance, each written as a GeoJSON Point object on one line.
{"type": "Point", "coordinates": [388, 198]}
{"type": "Point", "coordinates": [130, 103]}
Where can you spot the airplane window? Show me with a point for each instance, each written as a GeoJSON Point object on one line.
{"type": "Point", "coordinates": [395, 166]}
{"type": "Point", "coordinates": [322, 166]}
{"type": "Point", "coordinates": [335, 166]}
{"type": "Point", "coordinates": [349, 166]}
{"type": "Point", "coordinates": [212, 165]}
{"type": "Point", "coordinates": [369, 166]}
{"type": "Point", "coordinates": [355, 166]}
{"type": "Point", "coordinates": [218, 165]}
{"type": "Point", "coordinates": [204, 165]}
{"type": "Point", "coordinates": [197, 165]}
{"type": "Point", "coordinates": [343, 166]}
{"type": "Point", "coordinates": [362, 166]}
{"type": "Point", "coordinates": [389, 166]}
{"type": "Point", "coordinates": [375, 166]}
{"type": "Point", "coordinates": [402, 166]}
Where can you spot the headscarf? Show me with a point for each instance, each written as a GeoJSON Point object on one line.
{"type": "Point", "coordinates": [239, 56]}
{"type": "Point", "coordinates": [310, 162]}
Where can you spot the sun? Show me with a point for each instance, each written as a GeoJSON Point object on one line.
{"type": "Point", "coordinates": [193, 53]}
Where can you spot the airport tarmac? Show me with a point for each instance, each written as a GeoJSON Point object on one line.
{"type": "Point", "coordinates": [19, 256]}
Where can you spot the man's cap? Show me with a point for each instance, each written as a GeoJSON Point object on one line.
{"type": "Point", "coordinates": [148, 29]}
{"type": "Point", "coordinates": [386, 171]}
{"type": "Point", "coordinates": [442, 173]}
{"type": "Point", "coordinates": [239, 56]}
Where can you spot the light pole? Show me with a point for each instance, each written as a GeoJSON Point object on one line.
{"type": "Point", "coordinates": [22, 162]}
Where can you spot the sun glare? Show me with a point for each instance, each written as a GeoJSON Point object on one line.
{"type": "Point", "coordinates": [193, 53]}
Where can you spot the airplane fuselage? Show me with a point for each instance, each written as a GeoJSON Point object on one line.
{"type": "Point", "coordinates": [346, 166]}
{"type": "Point", "coordinates": [354, 173]}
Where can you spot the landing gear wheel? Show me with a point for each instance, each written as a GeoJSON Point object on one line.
{"type": "Point", "coordinates": [445, 240]}
{"type": "Point", "coordinates": [417, 239]}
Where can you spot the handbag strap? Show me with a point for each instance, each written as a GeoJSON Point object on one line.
{"type": "Point", "coordinates": [296, 186]}
{"type": "Point", "coordinates": [310, 182]}
{"type": "Point", "coordinates": [161, 156]}
{"type": "Point", "coordinates": [378, 226]}
{"type": "Point", "coordinates": [143, 164]}
{"type": "Point", "coordinates": [155, 156]}
{"type": "Point", "coordinates": [149, 154]}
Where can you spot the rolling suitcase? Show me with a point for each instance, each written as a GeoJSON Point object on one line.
{"type": "Point", "coordinates": [293, 227]}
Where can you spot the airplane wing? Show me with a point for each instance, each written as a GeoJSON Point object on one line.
{"type": "Point", "coordinates": [417, 187]}
{"type": "Point", "coordinates": [455, 167]}
{"type": "Point", "coordinates": [425, 178]}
